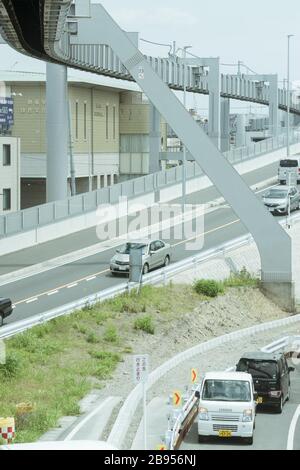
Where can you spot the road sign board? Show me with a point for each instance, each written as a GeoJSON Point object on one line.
{"type": "Point", "coordinates": [194, 375]}
{"type": "Point", "coordinates": [140, 368]}
{"type": "Point", "coordinates": [177, 398]}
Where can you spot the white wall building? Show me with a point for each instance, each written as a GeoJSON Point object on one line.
{"type": "Point", "coordinates": [9, 174]}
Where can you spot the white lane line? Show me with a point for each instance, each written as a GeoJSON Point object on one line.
{"type": "Point", "coordinates": [80, 425]}
{"type": "Point", "coordinates": [72, 285]}
{"type": "Point", "coordinates": [90, 278]}
{"type": "Point", "coordinates": [292, 430]}
{"type": "Point", "coordinates": [31, 300]}
{"type": "Point", "coordinates": [53, 292]}
{"type": "Point", "coordinates": [265, 189]}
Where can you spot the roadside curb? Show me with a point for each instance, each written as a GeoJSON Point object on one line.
{"type": "Point", "coordinates": [54, 263]}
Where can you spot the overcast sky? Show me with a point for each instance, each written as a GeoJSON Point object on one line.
{"type": "Point", "coordinates": [253, 32]}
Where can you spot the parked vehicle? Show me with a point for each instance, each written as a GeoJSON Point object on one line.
{"type": "Point", "coordinates": [282, 200]}
{"type": "Point", "coordinates": [289, 171]}
{"type": "Point", "coordinates": [271, 377]}
{"type": "Point", "coordinates": [6, 309]}
{"type": "Point", "coordinates": [227, 406]}
{"type": "Point", "coordinates": [156, 253]}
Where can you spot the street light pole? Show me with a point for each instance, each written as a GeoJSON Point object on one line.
{"type": "Point", "coordinates": [184, 147]}
{"type": "Point", "coordinates": [288, 97]}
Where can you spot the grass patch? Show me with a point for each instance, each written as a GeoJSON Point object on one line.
{"type": "Point", "coordinates": [51, 366]}
{"type": "Point", "coordinates": [241, 279]}
{"type": "Point", "coordinates": [110, 334]}
{"type": "Point", "coordinates": [92, 338]}
{"type": "Point", "coordinates": [208, 287]}
{"type": "Point", "coordinates": [145, 324]}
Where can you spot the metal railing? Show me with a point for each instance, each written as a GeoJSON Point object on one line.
{"type": "Point", "coordinates": [159, 276]}
{"type": "Point", "coordinates": [260, 148]}
{"type": "Point", "coordinates": [45, 214]}
{"type": "Point", "coordinates": [184, 418]}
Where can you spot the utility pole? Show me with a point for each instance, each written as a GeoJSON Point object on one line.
{"type": "Point", "coordinates": [72, 167]}
{"type": "Point", "coordinates": [288, 96]}
{"type": "Point", "coordinates": [184, 147]}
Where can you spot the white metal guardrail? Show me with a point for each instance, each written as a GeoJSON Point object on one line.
{"type": "Point", "coordinates": [159, 276]}
{"type": "Point", "coordinates": [175, 435]}
{"type": "Point", "coordinates": [40, 216]}
{"type": "Point", "coordinates": [151, 278]}
{"type": "Point", "coordinates": [127, 412]}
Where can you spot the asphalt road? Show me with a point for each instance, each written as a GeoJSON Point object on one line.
{"type": "Point", "coordinates": [271, 432]}
{"type": "Point", "coordinates": [70, 282]}
{"type": "Point", "coordinates": [37, 254]}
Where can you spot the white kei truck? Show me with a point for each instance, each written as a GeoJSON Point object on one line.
{"type": "Point", "coordinates": [227, 406]}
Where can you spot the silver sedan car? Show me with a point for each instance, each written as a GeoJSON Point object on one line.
{"type": "Point", "coordinates": [156, 253]}
{"type": "Point", "coordinates": [280, 200]}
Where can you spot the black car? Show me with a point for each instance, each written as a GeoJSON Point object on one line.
{"type": "Point", "coordinates": [6, 309]}
{"type": "Point", "coordinates": [271, 377]}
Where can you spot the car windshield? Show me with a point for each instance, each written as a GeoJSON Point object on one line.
{"type": "Point", "coordinates": [289, 163]}
{"type": "Point", "coordinates": [259, 369]}
{"type": "Point", "coordinates": [226, 390]}
{"type": "Point", "coordinates": [276, 194]}
{"type": "Point", "coordinates": [125, 249]}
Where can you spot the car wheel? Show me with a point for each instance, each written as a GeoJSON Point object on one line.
{"type": "Point", "coordinates": [1, 319]}
{"type": "Point", "coordinates": [279, 407]}
{"type": "Point", "coordinates": [248, 441]}
{"type": "Point", "coordinates": [289, 394]}
{"type": "Point", "coordinates": [146, 268]}
{"type": "Point", "coordinates": [167, 261]}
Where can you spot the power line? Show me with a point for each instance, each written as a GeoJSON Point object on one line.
{"type": "Point", "coordinates": [157, 43]}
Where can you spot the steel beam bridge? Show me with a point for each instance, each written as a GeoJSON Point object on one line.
{"type": "Point", "coordinates": [37, 28]}
{"type": "Point", "coordinates": [45, 29]}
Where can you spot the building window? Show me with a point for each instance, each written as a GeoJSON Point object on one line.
{"type": "Point", "coordinates": [102, 181]}
{"type": "Point", "coordinates": [114, 123]}
{"type": "Point", "coordinates": [76, 120]}
{"type": "Point", "coordinates": [106, 120]}
{"type": "Point", "coordinates": [84, 122]}
{"type": "Point", "coordinates": [7, 199]}
{"type": "Point", "coordinates": [108, 180]}
{"type": "Point", "coordinates": [6, 155]}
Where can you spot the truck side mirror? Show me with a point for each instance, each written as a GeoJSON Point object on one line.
{"type": "Point", "coordinates": [197, 394]}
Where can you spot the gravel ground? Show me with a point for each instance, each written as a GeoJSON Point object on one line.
{"type": "Point", "coordinates": [238, 308]}
{"type": "Point", "coordinates": [217, 359]}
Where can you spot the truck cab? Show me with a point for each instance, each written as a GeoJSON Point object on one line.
{"type": "Point", "coordinates": [227, 406]}
{"type": "Point", "coordinates": [289, 171]}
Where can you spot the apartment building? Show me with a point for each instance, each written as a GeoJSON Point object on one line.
{"type": "Point", "coordinates": [109, 138]}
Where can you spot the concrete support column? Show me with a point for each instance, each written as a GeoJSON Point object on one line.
{"type": "Point", "coordinates": [225, 111]}
{"type": "Point", "coordinates": [273, 105]}
{"type": "Point", "coordinates": [98, 182]}
{"type": "Point", "coordinates": [214, 85]}
{"type": "Point", "coordinates": [240, 130]}
{"type": "Point", "coordinates": [154, 139]}
{"type": "Point", "coordinates": [57, 132]}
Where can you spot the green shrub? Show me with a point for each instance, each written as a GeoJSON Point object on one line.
{"type": "Point", "coordinates": [145, 324]}
{"type": "Point", "coordinates": [208, 287]}
{"type": "Point", "coordinates": [80, 328]}
{"type": "Point", "coordinates": [11, 368]}
{"type": "Point", "coordinates": [104, 364]}
{"type": "Point", "coordinates": [92, 338]}
{"type": "Point", "coordinates": [241, 279]}
{"type": "Point", "coordinates": [110, 334]}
